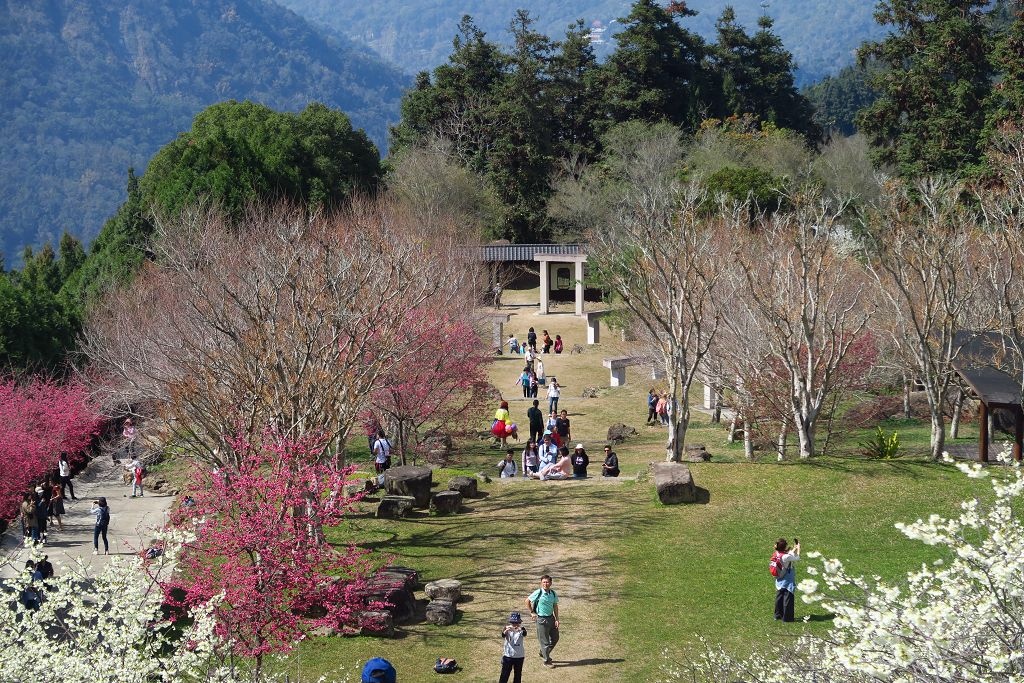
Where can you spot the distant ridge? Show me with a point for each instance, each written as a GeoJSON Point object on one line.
{"type": "Point", "coordinates": [417, 34]}
{"type": "Point", "coordinates": [93, 87]}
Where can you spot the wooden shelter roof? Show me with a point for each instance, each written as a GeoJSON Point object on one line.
{"type": "Point", "coordinates": [987, 366]}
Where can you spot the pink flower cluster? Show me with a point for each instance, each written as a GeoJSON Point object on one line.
{"type": "Point", "coordinates": [38, 421]}
{"type": "Point", "coordinates": [259, 541]}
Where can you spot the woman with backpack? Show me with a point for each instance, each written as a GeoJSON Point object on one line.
{"type": "Point", "coordinates": [781, 567]}
{"type": "Point", "coordinates": [102, 514]}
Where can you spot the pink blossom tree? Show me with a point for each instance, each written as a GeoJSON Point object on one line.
{"type": "Point", "coordinates": [440, 383]}
{"type": "Point", "coordinates": [38, 421]}
{"type": "Point", "coordinates": [258, 545]}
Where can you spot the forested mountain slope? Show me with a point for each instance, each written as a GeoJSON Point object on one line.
{"type": "Point", "coordinates": [417, 34]}
{"type": "Point", "coordinates": [93, 87]}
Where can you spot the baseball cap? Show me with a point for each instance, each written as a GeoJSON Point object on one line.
{"type": "Point", "coordinates": [579, 445]}
{"type": "Point", "coordinates": [379, 670]}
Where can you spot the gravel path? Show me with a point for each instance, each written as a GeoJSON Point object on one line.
{"type": "Point", "coordinates": [131, 521]}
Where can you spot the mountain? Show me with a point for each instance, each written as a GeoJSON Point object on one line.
{"type": "Point", "coordinates": [417, 34]}
{"type": "Point", "coordinates": [93, 87]}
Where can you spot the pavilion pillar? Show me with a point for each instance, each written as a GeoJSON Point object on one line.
{"type": "Point", "coordinates": [579, 287]}
{"type": "Point", "coordinates": [1018, 433]}
{"type": "Point", "coordinates": [983, 433]}
{"type": "Point", "coordinates": [545, 269]}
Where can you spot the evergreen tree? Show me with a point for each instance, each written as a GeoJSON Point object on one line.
{"type": "Point", "coordinates": [455, 102]}
{"type": "Point", "coordinates": [116, 254]}
{"type": "Point", "coordinates": [930, 115]}
{"type": "Point", "coordinates": [72, 256]}
{"type": "Point", "coordinates": [578, 108]}
{"type": "Point", "coordinates": [656, 72]}
{"type": "Point", "coordinates": [837, 99]}
{"type": "Point", "coordinates": [778, 100]}
{"type": "Point", "coordinates": [520, 157]}
{"type": "Point", "coordinates": [1008, 97]}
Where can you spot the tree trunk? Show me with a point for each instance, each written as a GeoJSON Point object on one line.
{"type": "Point", "coordinates": [805, 431]}
{"type": "Point", "coordinates": [958, 406]}
{"type": "Point", "coordinates": [732, 427]}
{"type": "Point", "coordinates": [780, 443]}
{"type": "Point", "coordinates": [678, 418]}
{"type": "Point", "coordinates": [938, 440]}
{"type": "Point", "coordinates": [748, 440]}
{"type": "Point", "coordinates": [716, 416]}
{"type": "Point", "coordinates": [907, 384]}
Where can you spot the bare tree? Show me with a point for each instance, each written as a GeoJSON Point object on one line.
{"type": "Point", "coordinates": [1004, 235]}
{"type": "Point", "coordinates": [924, 262]}
{"type": "Point", "coordinates": [802, 299]}
{"type": "Point", "coordinates": [661, 256]}
{"type": "Point", "coordinates": [283, 323]}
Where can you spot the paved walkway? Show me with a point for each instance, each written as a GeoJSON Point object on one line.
{"type": "Point", "coordinates": [131, 521]}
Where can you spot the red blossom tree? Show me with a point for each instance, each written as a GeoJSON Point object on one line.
{"type": "Point", "coordinates": [258, 543]}
{"type": "Point", "coordinates": [38, 421]}
{"type": "Point", "coordinates": [440, 382]}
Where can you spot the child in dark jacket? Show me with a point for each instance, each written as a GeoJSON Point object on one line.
{"type": "Point", "coordinates": [513, 649]}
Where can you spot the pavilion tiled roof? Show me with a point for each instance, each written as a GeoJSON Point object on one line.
{"type": "Point", "coordinates": [526, 252]}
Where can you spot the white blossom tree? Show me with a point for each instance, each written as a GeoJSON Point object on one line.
{"type": "Point", "coordinates": [960, 621]}
{"type": "Point", "coordinates": [104, 626]}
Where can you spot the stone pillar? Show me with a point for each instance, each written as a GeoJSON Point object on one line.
{"type": "Point", "coordinates": [499, 334]}
{"type": "Point", "coordinates": [545, 270]}
{"type": "Point", "coordinates": [579, 288]}
{"type": "Point", "coordinates": [593, 329]}
{"type": "Point", "coordinates": [710, 397]}
{"type": "Point", "coordinates": [618, 377]}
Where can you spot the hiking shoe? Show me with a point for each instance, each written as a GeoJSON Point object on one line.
{"type": "Point", "coordinates": [549, 663]}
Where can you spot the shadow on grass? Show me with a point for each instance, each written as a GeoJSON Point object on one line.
{"type": "Point", "coordinates": [502, 523]}
{"type": "Point", "coordinates": [821, 617]}
{"type": "Point", "coordinates": [593, 661]}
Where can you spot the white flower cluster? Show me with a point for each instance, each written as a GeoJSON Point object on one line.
{"type": "Point", "coordinates": [104, 626]}
{"type": "Point", "coordinates": [110, 626]}
{"type": "Point", "coordinates": [958, 621]}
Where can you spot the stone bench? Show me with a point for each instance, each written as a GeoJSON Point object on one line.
{"type": "Point", "coordinates": [674, 483]}
{"type": "Point", "coordinates": [446, 502]}
{"type": "Point", "coordinates": [594, 325]}
{"type": "Point", "coordinates": [409, 480]}
{"type": "Point", "coordinates": [617, 365]}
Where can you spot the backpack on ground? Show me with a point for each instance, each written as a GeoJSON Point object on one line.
{"type": "Point", "coordinates": [776, 567]}
{"type": "Point", "coordinates": [445, 665]}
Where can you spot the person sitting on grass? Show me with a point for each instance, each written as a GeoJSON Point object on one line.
{"type": "Point", "coordinates": [559, 470]}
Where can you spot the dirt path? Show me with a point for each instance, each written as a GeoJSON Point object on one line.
{"type": "Point", "coordinates": [575, 553]}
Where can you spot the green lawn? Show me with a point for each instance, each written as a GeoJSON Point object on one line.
{"type": "Point", "coordinates": [638, 576]}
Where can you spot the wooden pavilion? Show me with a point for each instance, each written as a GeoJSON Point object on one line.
{"type": "Point", "coordinates": [985, 364]}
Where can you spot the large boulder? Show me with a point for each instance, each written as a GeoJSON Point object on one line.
{"type": "Point", "coordinates": [395, 507]}
{"type": "Point", "coordinates": [409, 480]}
{"type": "Point", "coordinates": [465, 485]}
{"type": "Point", "coordinates": [674, 483]}
{"type": "Point", "coordinates": [392, 591]}
{"type": "Point", "coordinates": [446, 502]}
{"type": "Point", "coordinates": [696, 453]}
{"type": "Point", "coordinates": [441, 612]}
{"type": "Point", "coordinates": [618, 433]}
{"type": "Point", "coordinates": [377, 623]}
{"type": "Point", "coordinates": [444, 589]}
